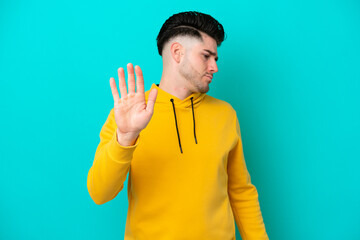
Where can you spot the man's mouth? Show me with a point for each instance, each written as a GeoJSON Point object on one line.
{"type": "Point", "coordinates": [209, 76]}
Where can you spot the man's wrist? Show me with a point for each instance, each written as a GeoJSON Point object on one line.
{"type": "Point", "coordinates": [126, 139]}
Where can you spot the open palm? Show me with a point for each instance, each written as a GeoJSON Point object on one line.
{"type": "Point", "coordinates": [132, 113]}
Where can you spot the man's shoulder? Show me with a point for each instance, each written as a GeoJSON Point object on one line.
{"type": "Point", "coordinates": [218, 102]}
{"type": "Point", "coordinates": [219, 105]}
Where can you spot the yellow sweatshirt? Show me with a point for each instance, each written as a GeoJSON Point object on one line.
{"type": "Point", "coordinates": [187, 174]}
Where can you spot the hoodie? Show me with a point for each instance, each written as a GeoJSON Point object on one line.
{"type": "Point", "coordinates": [187, 177]}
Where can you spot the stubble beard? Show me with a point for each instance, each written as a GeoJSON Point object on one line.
{"type": "Point", "coordinates": [193, 77]}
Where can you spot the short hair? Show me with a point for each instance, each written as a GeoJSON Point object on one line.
{"type": "Point", "coordinates": [189, 24]}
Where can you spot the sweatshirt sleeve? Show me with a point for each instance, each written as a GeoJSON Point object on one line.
{"type": "Point", "coordinates": [111, 164]}
{"type": "Point", "coordinates": [243, 194]}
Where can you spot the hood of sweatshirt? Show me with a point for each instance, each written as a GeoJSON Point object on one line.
{"type": "Point", "coordinates": [164, 98]}
{"type": "Point", "coordinates": [167, 100]}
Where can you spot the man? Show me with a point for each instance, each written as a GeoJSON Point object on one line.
{"type": "Point", "coordinates": [181, 147]}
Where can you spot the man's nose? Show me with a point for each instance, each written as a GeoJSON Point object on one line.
{"type": "Point", "coordinates": [213, 66]}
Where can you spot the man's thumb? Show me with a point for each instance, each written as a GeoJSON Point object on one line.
{"type": "Point", "coordinates": [151, 100]}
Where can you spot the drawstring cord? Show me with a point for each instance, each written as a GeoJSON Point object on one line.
{"type": "Point", "coordinates": [177, 130]}
{"type": "Point", "coordinates": [192, 106]}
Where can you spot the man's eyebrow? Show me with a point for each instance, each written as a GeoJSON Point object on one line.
{"type": "Point", "coordinates": [212, 53]}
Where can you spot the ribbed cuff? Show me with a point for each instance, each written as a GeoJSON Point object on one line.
{"type": "Point", "coordinates": [121, 153]}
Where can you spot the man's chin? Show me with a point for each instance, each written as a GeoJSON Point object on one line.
{"type": "Point", "coordinates": [204, 89]}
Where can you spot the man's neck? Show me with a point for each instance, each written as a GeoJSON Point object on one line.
{"type": "Point", "coordinates": [180, 92]}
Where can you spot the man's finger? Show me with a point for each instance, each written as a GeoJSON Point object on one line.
{"type": "Point", "coordinates": [139, 80]}
{"type": "Point", "coordinates": [122, 83]}
{"type": "Point", "coordinates": [114, 90]}
{"type": "Point", "coordinates": [131, 78]}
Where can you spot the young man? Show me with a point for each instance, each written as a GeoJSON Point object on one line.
{"type": "Point", "coordinates": [181, 147]}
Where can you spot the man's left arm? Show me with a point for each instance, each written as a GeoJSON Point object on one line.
{"type": "Point", "coordinates": [243, 195]}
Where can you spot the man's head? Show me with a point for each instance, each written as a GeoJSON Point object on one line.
{"type": "Point", "coordinates": [188, 43]}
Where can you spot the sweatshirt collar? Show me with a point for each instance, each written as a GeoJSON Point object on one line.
{"type": "Point", "coordinates": [163, 98]}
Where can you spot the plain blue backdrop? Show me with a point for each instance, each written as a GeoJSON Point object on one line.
{"type": "Point", "coordinates": [291, 70]}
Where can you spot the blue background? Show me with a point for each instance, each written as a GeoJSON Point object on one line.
{"type": "Point", "coordinates": [291, 69]}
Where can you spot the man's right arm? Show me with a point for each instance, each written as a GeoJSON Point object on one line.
{"type": "Point", "coordinates": [112, 161]}
{"type": "Point", "coordinates": [120, 135]}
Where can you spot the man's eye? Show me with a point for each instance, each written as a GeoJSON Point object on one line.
{"type": "Point", "coordinates": [206, 56]}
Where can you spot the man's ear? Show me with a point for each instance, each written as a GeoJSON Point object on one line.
{"type": "Point", "coordinates": [176, 50]}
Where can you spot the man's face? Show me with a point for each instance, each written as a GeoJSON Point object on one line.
{"type": "Point", "coordinates": [199, 64]}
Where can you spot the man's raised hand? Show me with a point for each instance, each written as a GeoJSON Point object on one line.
{"type": "Point", "coordinates": [132, 113]}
